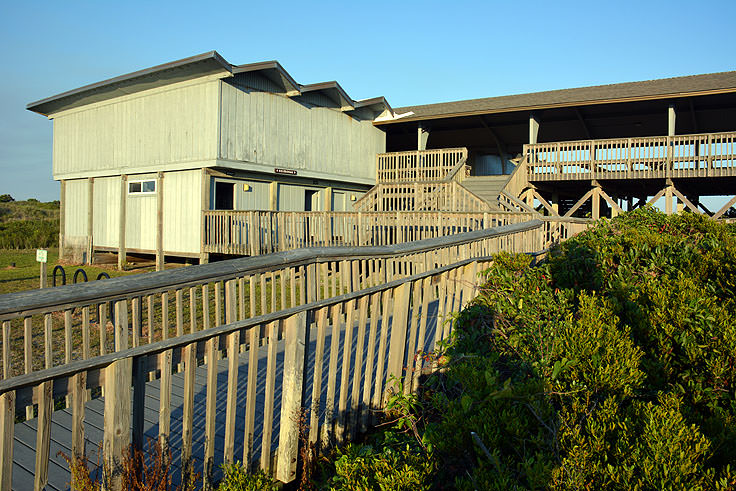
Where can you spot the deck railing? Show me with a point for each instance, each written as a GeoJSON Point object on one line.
{"type": "Point", "coordinates": [700, 155]}
{"type": "Point", "coordinates": [420, 196]}
{"type": "Point", "coordinates": [421, 165]}
{"type": "Point", "coordinates": [222, 309]}
{"type": "Point", "coordinates": [262, 232]}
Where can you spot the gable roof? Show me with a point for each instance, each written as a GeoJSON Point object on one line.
{"type": "Point", "coordinates": [711, 83]}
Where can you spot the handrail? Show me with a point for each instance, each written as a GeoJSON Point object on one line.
{"type": "Point", "coordinates": [101, 361]}
{"type": "Point", "coordinates": [692, 155]}
{"type": "Point", "coordinates": [417, 165]}
{"type": "Point", "coordinates": [28, 302]}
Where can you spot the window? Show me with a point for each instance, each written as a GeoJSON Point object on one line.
{"type": "Point", "coordinates": [142, 187]}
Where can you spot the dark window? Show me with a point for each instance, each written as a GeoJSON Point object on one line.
{"type": "Point", "coordinates": [224, 195]}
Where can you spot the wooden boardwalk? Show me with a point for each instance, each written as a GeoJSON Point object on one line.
{"type": "Point", "coordinates": [59, 476]}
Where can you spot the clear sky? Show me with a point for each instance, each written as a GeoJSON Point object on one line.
{"type": "Point", "coordinates": [409, 52]}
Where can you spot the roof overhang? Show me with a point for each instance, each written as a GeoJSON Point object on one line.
{"type": "Point", "coordinates": [377, 106]}
{"type": "Point", "coordinates": [273, 71]}
{"type": "Point", "coordinates": [176, 71]}
{"type": "Point", "coordinates": [332, 91]}
{"type": "Point", "coordinates": [651, 90]}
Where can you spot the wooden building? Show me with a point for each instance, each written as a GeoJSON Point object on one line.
{"type": "Point", "coordinates": [144, 158]}
{"type": "Point", "coordinates": [140, 156]}
{"type": "Point", "coordinates": [587, 150]}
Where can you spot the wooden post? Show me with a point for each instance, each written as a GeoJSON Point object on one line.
{"type": "Point", "coordinates": [273, 196]}
{"type": "Point", "coordinates": [118, 379]}
{"type": "Point", "coordinates": [43, 274]}
{"type": "Point", "coordinates": [90, 218]}
{"type": "Point", "coordinates": [295, 332]}
{"type": "Point", "coordinates": [397, 344]}
{"type": "Point", "coordinates": [7, 426]}
{"type": "Point", "coordinates": [671, 118]}
{"type": "Point", "coordinates": [204, 257]}
{"type": "Point", "coordinates": [533, 127]}
{"type": "Point", "coordinates": [122, 218]}
{"type": "Point", "coordinates": [43, 435]}
{"type": "Point", "coordinates": [233, 343]}
{"type": "Point", "coordinates": [160, 222]}
{"type": "Point", "coordinates": [668, 197]}
{"type": "Point", "coordinates": [62, 218]}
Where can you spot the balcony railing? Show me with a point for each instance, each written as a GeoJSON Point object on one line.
{"type": "Point", "coordinates": [421, 165]}
{"type": "Point", "coordinates": [702, 155]}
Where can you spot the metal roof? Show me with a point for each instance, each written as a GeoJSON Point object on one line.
{"type": "Point", "coordinates": [175, 71]}
{"type": "Point", "coordinates": [712, 83]}
{"type": "Point", "coordinates": [185, 69]}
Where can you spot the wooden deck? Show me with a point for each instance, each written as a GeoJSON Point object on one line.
{"type": "Point", "coordinates": [58, 471]}
{"type": "Point", "coordinates": [660, 157]}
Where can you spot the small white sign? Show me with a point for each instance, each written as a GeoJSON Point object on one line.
{"type": "Point", "coordinates": [42, 255]}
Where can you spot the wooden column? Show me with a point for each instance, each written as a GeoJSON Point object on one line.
{"type": "Point", "coordinates": [273, 196]}
{"type": "Point", "coordinates": [596, 201]}
{"type": "Point", "coordinates": [295, 347]}
{"type": "Point", "coordinates": [533, 127]}
{"type": "Point", "coordinates": [62, 217]}
{"type": "Point", "coordinates": [328, 199]}
{"type": "Point", "coordinates": [204, 257]}
{"type": "Point", "coordinates": [90, 218]}
{"type": "Point", "coordinates": [668, 197]}
{"type": "Point", "coordinates": [118, 380]}
{"type": "Point", "coordinates": [422, 137]}
{"type": "Point", "coordinates": [160, 222]}
{"type": "Point", "coordinates": [121, 225]}
{"type": "Point", "coordinates": [671, 117]}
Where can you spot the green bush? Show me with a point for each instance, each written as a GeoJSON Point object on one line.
{"type": "Point", "coordinates": [235, 478]}
{"type": "Point", "coordinates": [392, 462]}
{"type": "Point", "coordinates": [610, 365]}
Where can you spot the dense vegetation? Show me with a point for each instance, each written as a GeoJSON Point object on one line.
{"type": "Point", "coordinates": [28, 224]}
{"type": "Point", "coordinates": [611, 365]}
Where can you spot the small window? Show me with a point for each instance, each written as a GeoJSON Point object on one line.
{"type": "Point", "coordinates": [142, 187]}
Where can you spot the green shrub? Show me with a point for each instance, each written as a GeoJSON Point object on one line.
{"type": "Point", "coordinates": [610, 365]}
{"type": "Point", "coordinates": [392, 463]}
{"type": "Point", "coordinates": [235, 478]}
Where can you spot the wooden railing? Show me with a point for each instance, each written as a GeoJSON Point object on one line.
{"type": "Point", "coordinates": [702, 155]}
{"type": "Point", "coordinates": [262, 232]}
{"type": "Point", "coordinates": [420, 196]}
{"type": "Point", "coordinates": [420, 165]}
{"type": "Point", "coordinates": [224, 310]}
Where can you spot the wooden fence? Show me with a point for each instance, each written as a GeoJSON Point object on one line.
{"type": "Point", "coordinates": [221, 309]}
{"type": "Point", "coordinates": [263, 232]}
{"type": "Point", "coordinates": [421, 165]}
{"type": "Point", "coordinates": [700, 155]}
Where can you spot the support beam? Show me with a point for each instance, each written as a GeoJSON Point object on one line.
{"type": "Point", "coordinates": [273, 196]}
{"type": "Point", "coordinates": [656, 197]}
{"type": "Point", "coordinates": [580, 203]}
{"type": "Point", "coordinates": [550, 208]}
{"type": "Point", "coordinates": [62, 217]}
{"type": "Point", "coordinates": [90, 218]}
{"type": "Point", "coordinates": [668, 197]}
{"type": "Point", "coordinates": [533, 127]}
{"type": "Point", "coordinates": [596, 203]}
{"type": "Point", "coordinates": [671, 117]}
{"type": "Point", "coordinates": [422, 136]}
{"type": "Point", "coordinates": [160, 221]}
{"type": "Point", "coordinates": [328, 199]}
{"type": "Point", "coordinates": [122, 219]}
{"type": "Point", "coordinates": [725, 208]}
{"type": "Point", "coordinates": [615, 208]}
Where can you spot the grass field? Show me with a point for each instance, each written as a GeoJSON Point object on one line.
{"type": "Point", "coordinates": [19, 270]}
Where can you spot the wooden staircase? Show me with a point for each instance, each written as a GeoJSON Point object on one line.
{"type": "Point", "coordinates": [486, 187]}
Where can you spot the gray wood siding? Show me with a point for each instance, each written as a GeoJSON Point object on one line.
{"type": "Point", "coordinates": [182, 211]}
{"type": "Point", "coordinates": [149, 130]}
{"type": "Point", "coordinates": [76, 208]}
{"type": "Point", "coordinates": [274, 130]}
{"type": "Point", "coordinates": [106, 211]}
{"type": "Point", "coordinates": [140, 216]}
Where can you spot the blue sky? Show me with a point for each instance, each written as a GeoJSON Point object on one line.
{"type": "Point", "coordinates": [409, 52]}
